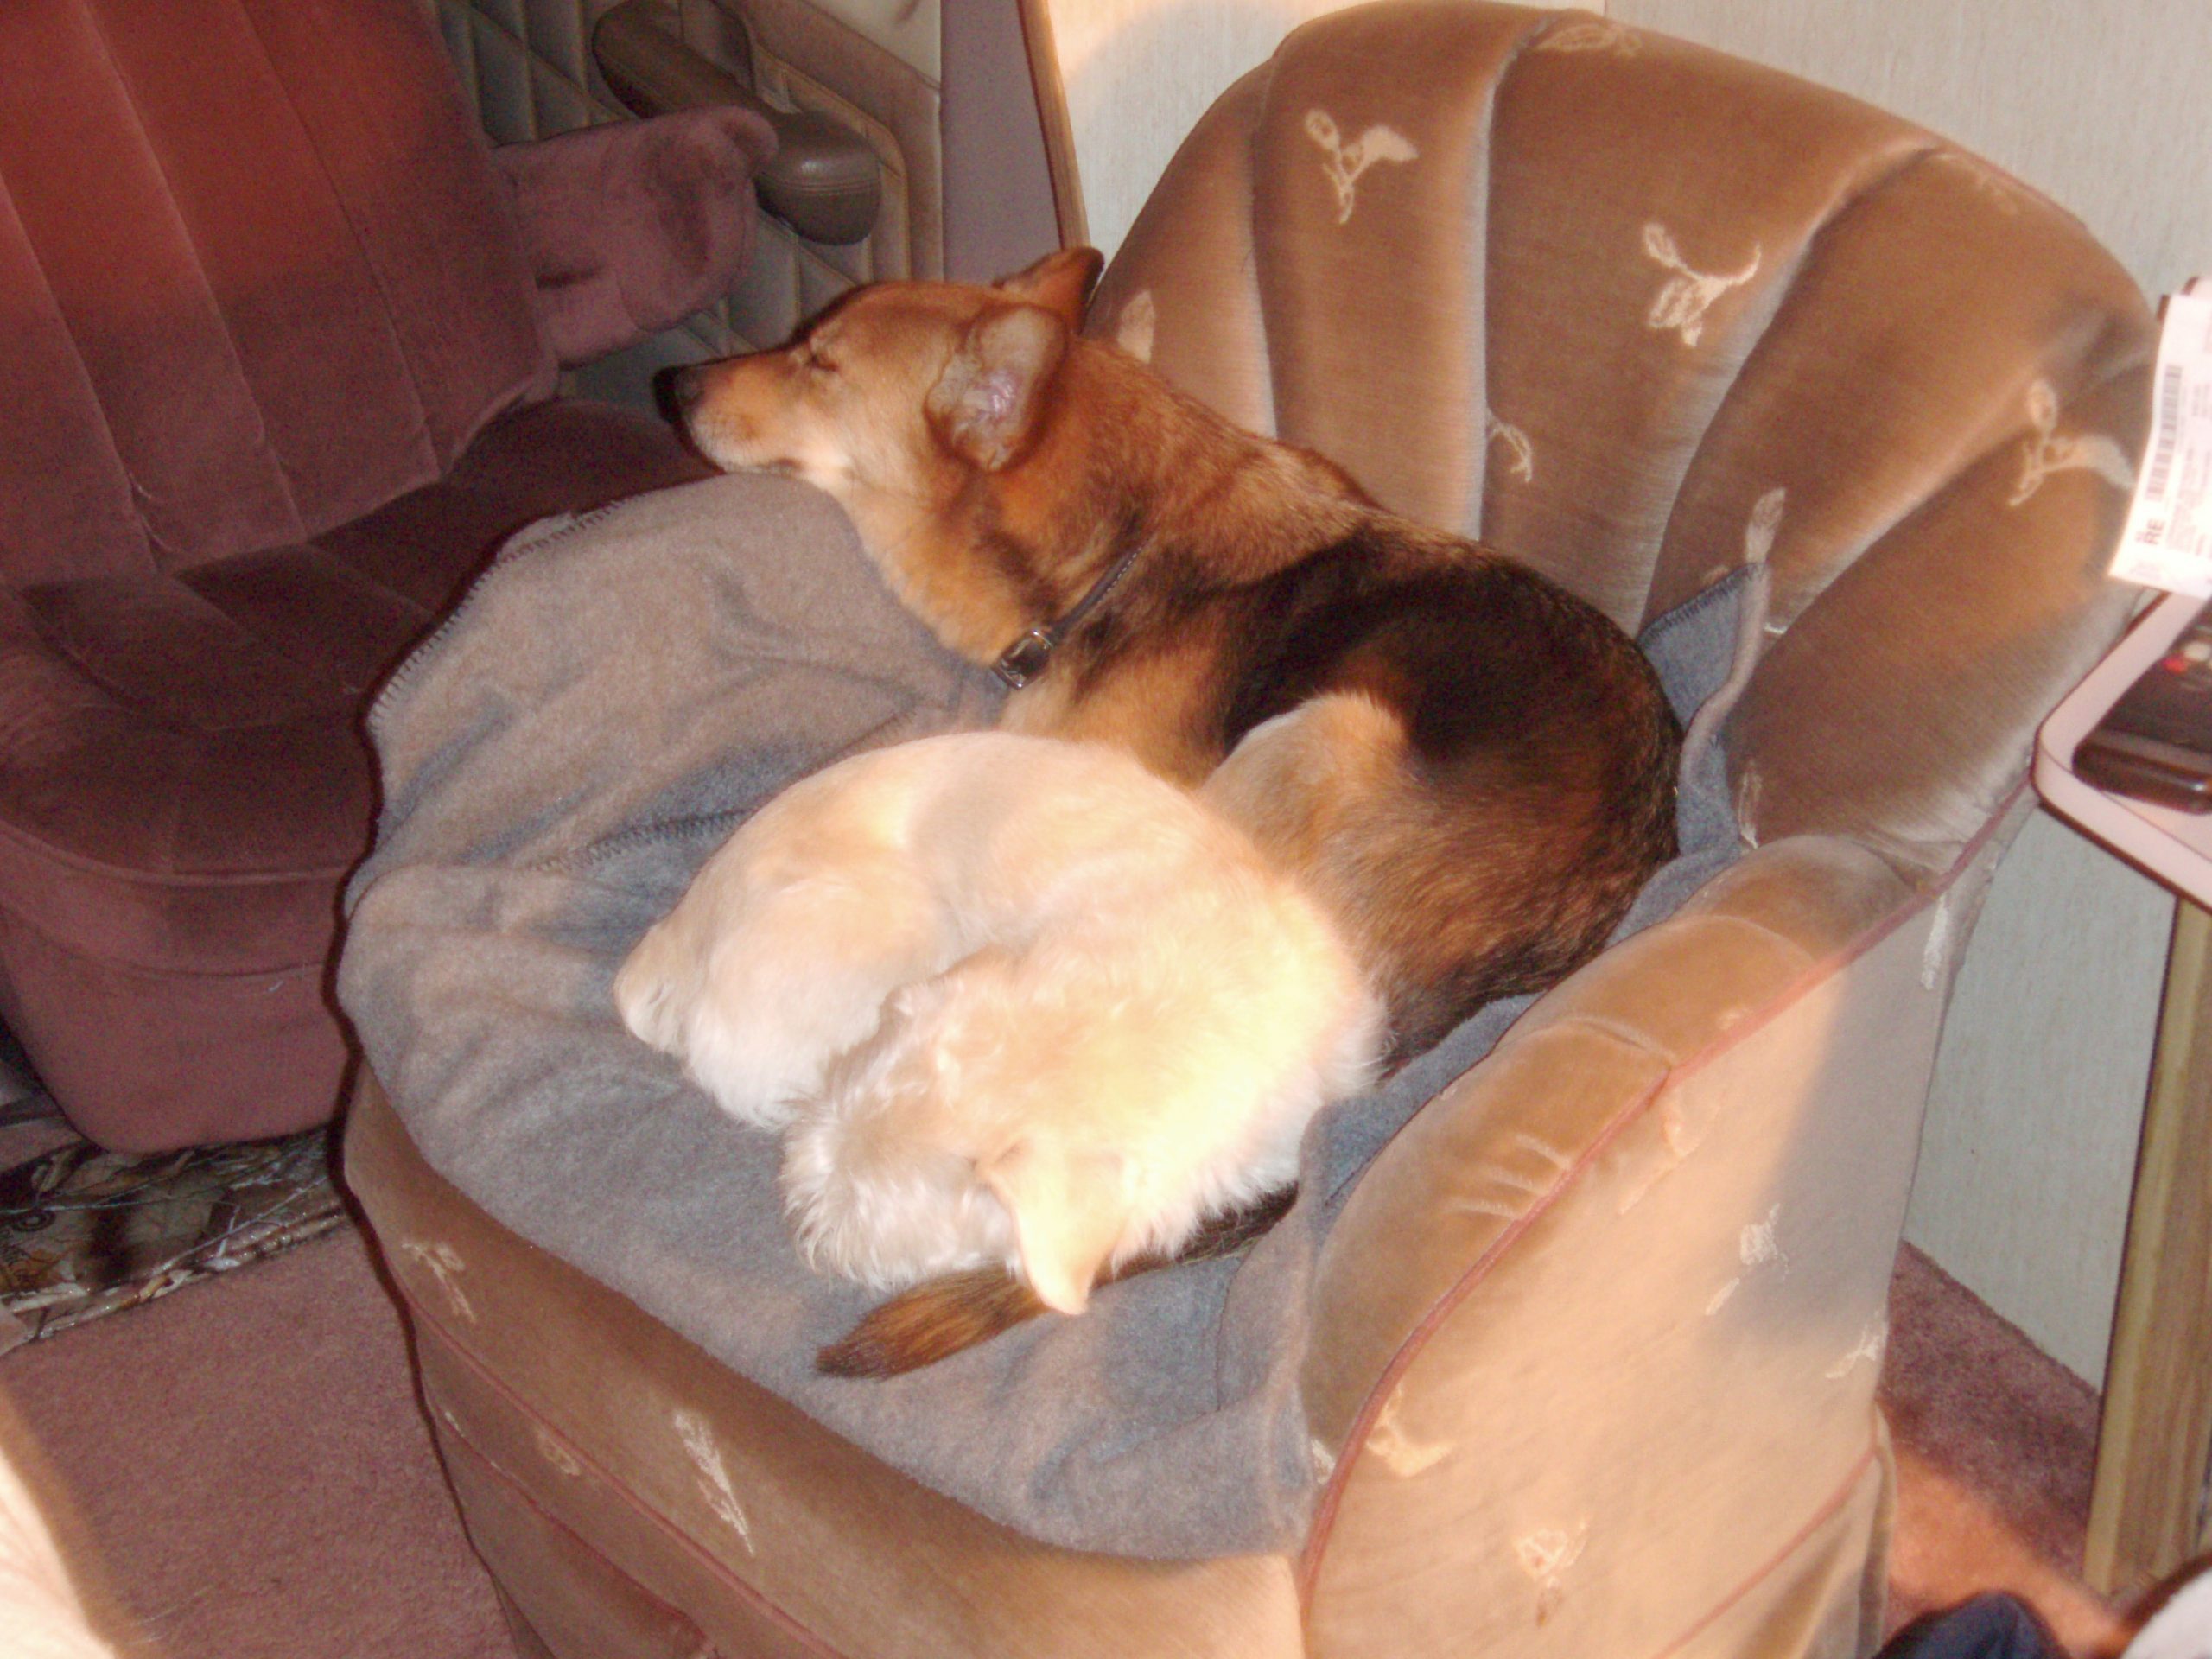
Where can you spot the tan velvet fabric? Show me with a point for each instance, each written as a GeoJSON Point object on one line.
{"type": "Point", "coordinates": [1633, 311]}
{"type": "Point", "coordinates": [1629, 1358]}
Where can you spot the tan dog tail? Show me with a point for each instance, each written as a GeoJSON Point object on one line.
{"type": "Point", "coordinates": [933, 1321]}
{"type": "Point", "coordinates": [945, 1316]}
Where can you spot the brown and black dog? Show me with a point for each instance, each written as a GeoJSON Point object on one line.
{"type": "Point", "coordinates": [1473, 769]}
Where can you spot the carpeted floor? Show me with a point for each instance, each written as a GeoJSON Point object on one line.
{"type": "Point", "coordinates": [246, 1461]}
{"type": "Point", "coordinates": [244, 1464]}
{"type": "Point", "coordinates": [1996, 1446]}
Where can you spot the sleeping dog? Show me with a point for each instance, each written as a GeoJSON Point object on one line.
{"type": "Point", "coordinates": [1013, 1002]}
{"type": "Point", "coordinates": [1469, 768]}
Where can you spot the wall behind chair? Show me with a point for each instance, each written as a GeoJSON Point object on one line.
{"type": "Point", "coordinates": [1138, 74]}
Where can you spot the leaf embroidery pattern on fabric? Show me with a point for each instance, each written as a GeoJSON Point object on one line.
{"type": "Point", "coordinates": [1399, 1451]}
{"type": "Point", "coordinates": [1547, 1554]}
{"type": "Point", "coordinates": [446, 1266]}
{"type": "Point", "coordinates": [1599, 35]}
{"type": "Point", "coordinates": [1346, 163]}
{"type": "Point", "coordinates": [1688, 294]}
{"type": "Point", "coordinates": [714, 1486]}
{"type": "Point", "coordinates": [1999, 190]}
{"type": "Point", "coordinates": [1133, 328]}
{"type": "Point", "coordinates": [1764, 525]}
{"type": "Point", "coordinates": [1873, 1342]}
{"type": "Point", "coordinates": [1523, 453]}
{"type": "Point", "coordinates": [2047, 452]}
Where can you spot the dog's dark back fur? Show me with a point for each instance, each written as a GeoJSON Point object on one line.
{"type": "Point", "coordinates": [1537, 767]}
{"type": "Point", "coordinates": [1485, 846]}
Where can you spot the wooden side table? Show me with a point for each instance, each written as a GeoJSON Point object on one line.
{"type": "Point", "coordinates": [2148, 1514]}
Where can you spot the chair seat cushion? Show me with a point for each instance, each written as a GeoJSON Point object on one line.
{"type": "Point", "coordinates": [613, 699]}
{"type": "Point", "coordinates": [183, 777]}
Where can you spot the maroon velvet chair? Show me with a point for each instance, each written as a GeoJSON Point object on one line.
{"type": "Point", "coordinates": [282, 338]}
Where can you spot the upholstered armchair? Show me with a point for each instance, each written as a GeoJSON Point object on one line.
{"type": "Point", "coordinates": [282, 348]}
{"type": "Point", "coordinates": [1590, 1352]}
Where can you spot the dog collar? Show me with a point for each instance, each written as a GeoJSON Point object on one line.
{"type": "Point", "coordinates": [1029, 655]}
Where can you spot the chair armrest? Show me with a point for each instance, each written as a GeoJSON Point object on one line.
{"type": "Point", "coordinates": [632, 227]}
{"type": "Point", "coordinates": [824, 180]}
{"type": "Point", "coordinates": [1618, 1294]}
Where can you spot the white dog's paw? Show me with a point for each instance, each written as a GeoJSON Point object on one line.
{"type": "Point", "coordinates": [740, 1052]}
{"type": "Point", "coordinates": [653, 994]}
{"type": "Point", "coordinates": [757, 1051]}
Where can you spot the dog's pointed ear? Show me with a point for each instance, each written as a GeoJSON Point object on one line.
{"type": "Point", "coordinates": [1061, 282]}
{"type": "Point", "coordinates": [986, 404]}
{"type": "Point", "coordinates": [1068, 1210]}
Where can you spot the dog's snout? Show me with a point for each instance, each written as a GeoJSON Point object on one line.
{"type": "Point", "coordinates": [681, 389]}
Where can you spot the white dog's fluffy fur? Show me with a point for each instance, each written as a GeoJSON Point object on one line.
{"type": "Point", "coordinates": [1014, 1000]}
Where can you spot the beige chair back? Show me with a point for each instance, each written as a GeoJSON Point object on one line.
{"type": "Point", "coordinates": [1634, 312]}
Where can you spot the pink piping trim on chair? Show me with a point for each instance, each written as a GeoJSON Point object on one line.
{"type": "Point", "coordinates": [752, 1596]}
{"type": "Point", "coordinates": [1362, 1425]}
{"type": "Point", "coordinates": [522, 1494]}
{"type": "Point", "coordinates": [1825, 1513]}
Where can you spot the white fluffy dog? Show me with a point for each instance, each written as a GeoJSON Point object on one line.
{"type": "Point", "coordinates": [1014, 1001]}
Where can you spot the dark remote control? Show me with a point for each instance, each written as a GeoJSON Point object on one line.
{"type": "Point", "coordinates": [2156, 742]}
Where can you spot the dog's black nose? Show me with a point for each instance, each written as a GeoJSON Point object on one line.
{"type": "Point", "coordinates": [680, 390]}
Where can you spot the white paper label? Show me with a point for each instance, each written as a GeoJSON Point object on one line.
{"type": "Point", "coordinates": [2168, 542]}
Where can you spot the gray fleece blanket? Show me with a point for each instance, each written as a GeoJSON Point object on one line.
{"type": "Point", "coordinates": [614, 696]}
